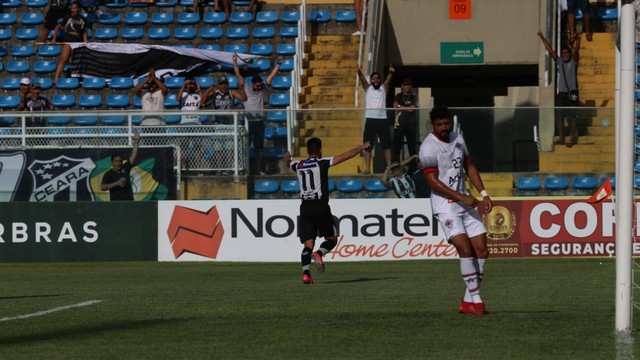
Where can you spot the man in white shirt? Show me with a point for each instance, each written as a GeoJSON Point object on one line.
{"type": "Point", "coordinates": [153, 99]}
{"type": "Point", "coordinates": [376, 123]}
{"type": "Point", "coordinates": [446, 160]}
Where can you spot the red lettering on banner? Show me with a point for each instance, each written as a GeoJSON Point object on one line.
{"type": "Point", "coordinates": [403, 248]}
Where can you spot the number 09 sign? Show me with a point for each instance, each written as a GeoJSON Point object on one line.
{"type": "Point", "coordinates": [459, 9]}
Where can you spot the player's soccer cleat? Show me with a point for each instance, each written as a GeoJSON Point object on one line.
{"type": "Point", "coordinates": [307, 279]}
{"type": "Point", "coordinates": [465, 307]}
{"type": "Point", "coordinates": [318, 260]}
{"type": "Point", "coordinates": [479, 309]}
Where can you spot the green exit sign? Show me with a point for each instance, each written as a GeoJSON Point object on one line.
{"type": "Point", "coordinates": [462, 52]}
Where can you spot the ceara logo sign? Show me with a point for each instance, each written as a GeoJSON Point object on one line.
{"type": "Point", "coordinates": [195, 231]}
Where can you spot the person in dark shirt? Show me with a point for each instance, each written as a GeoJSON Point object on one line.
{"type": "Point", "coordinates": [117, 179]}
{"type": "Point", "coordinates": [315, 214]}
{"type": "Point", "coordinates": [35, 102]}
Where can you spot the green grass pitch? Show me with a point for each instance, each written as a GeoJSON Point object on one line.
{"type": "Point", "coordinates": [543, 309]}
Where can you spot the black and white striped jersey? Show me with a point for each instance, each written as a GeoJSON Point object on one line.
{"type": "Point", "coordinates": [313, 176]}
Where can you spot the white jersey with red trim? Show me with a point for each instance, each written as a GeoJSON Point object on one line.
{"type": "Point", "coordinates": [447, 160]}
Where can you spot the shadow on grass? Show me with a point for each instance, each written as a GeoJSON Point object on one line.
{"type": "Point", "coordinates": [359, 280]}
{"type": "Point", "coordinates": [30, 296]}
{"type": "Point", "coordinates": [88, 330]}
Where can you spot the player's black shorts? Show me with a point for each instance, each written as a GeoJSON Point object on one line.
{"type": "Point", "coordinates": [377, 127]}
{"type": "Point", "coordinates": [316, 220]}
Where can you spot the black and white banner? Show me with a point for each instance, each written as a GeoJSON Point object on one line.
{"type": "Point", "coordinates": [109, 60]}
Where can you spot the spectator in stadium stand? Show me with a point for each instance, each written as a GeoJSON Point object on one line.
{"type": "Point", "coordinates": [315, 214]}
{"type": "Point", "coordinates": [58, 9]}
{"type": "Point", "coordinates": [401, 182]}
{"type": "Point", "coordinates": [118, 179]}
{"type": "Point", "coordinates": [73, 25]}
{"type": "Point", "coordinates": [358, 6]}
{"type": "Point", "coordinates": [572, 6]}
{"type": "Point", "coordinates": [255, 93]}
{"type": "Point", "coordinates": [153, 99]}
{"type": "Point", "coordinates": [567, 89]}
{"type": "Point", "coordinates": [405, 126]}
{"type": "Point", "coordinates": [446, 161]}
{"type": "Point", "coordinates": [376, 123]}
{"type": "Point", "coordinates": [199, 5]}
{"type": "Point", "coordinates": [35, 102]}
{"type": "Point", "coordinates": [25, 88]}
{"type": "Point", "coordinates": [224, 99]}
{"type": "Point", "coordinates": [190, 98]}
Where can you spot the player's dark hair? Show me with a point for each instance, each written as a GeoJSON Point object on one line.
{"type": "Point", "coordinates": [375, 73]}
{"type": "Point", "coordinates": [256, 79]}
{"type": "Point", "coordinates": [439, 112]}
{"type": "Point", "coordinates": [115, 155]}
{"type": "Point", "coordinates": [314, 145]}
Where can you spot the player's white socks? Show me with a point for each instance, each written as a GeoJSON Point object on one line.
{"type": "Point", "coordinates": [471, 280]}
{"type": "Point", "coordinates": [479, 265]}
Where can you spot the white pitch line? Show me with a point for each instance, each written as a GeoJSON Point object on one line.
{"type": "Point", "coordinates": [45, 312]}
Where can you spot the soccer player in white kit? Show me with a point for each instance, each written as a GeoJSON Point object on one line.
{"type": "Point", "coordinates": [445, 160]}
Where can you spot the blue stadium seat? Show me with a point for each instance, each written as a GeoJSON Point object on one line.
{"type": "Point", "coordinates": [9, 102]}
{"type": "Point", "coordinates": [166, 3]}
{"type": "Point", "coordinates": [156, 33]}
{"type": "Point", "coordinates": [174, 82]}
{"type": "Point", "coordinates": [48, 50]}
{"type": "Point", "coordinates": [279, 100]}
{"type": "Point", "coordinates": [211, 33]}
{"type": "Point", "coordinates": [63, 100]}
{"type": "Point", "coordinates": [36, 3]}
{"type": "Point", "coordinates": [349, 187]}
{"type": "Point", "coordinates": [170, 102]}
{"type": "Point", "coordinates": [132, 33]}
{"type": "Point", "coordinates": [46, 83]}
{"type": "Point", "coordinates": [291, 188]}
{"type": "Point", "coordinates": [556, 185]}
{"type": "Point", "coordinates": [162, 18]}
{"type": "Point", "coordinates": [44, 66]}
{"type": "Point", "coordinates": [26, 34]}
{"type": "Point", "coordinates": [113, 120]}
{"type": "Point", "coordinates": [287, 64]}
{"type": "Point", "coordinates": [241, 17]}
{"type": "Point", "coordinates": [85, 120]}
{"type": "Point", "coordinates": [290, 17]}
{"type": "Point", "coordinates": [104, 33]}
{"type": "Point", "coordinates": [58, 120]}
{"type": "Point", "coordinates": [528, 185]}
{"type": "Point", "coordinates": [186, 3]}
{"type": "Point", "coordinates": [3, 50]}
{"type": "Point", "coordinates": [109, 19]}
{"type": "Point", "coordinates": [261, 49]}
{"type": "Point", "coordinates": [117, 4]}
{"type": "Point", "coordinates": [264, 32]}
{"type": "Point", "coordinates": [275, 132]}
{"type": "Point", "coordinates": [286, 49]}
{"type": "Point", "coordinates": [345, 16]}
{"type": "Point", "coordinates": [185, 33]}
{"type": "Point", "coordinates": [288, 32]}
{"type": "Point", "coordinates": [210, 47]}
{"type": "Point", "coordinates": [636, 166]}
{"type": "Point", "coordinates": [236, 48]}
{"type": "Point", "coordinates": [121, 83]}
{"type": "Point", "coordinates": [277, 116]}
{"type": "Point", "coordinates": [613, 181]}
{"type": "Point", "coordinates": [319, 16]}
{"type": "Point", "coordinates": [10, 83]}
{"type": "Point", "coordinates": [6, 34]}
{"type": "Point", "coordinates": [214, 18]}
{"type": "Point", "coordinates": [204, 81]}
{"type": "Point", "coordinates": [89, 101]}
{"type": "Point", "coordinates": [32, 19]}
{"type": "Point", "coordinates": [267, 17]}
{"type": "Point", "coordinates": [118, 101]}
{"type": "Point", "coordinates": [8, 18]}
{"type": "Point", "coordinates": [274, 153]}
{"type": "Point", "coordinates": [188, 18]}
{"type": "Point", "coordinates": [584, 185]}
{"type": "Point", "coordinates": [233, 82]}
{"type": "Point", "coordinates": [136, 18]}
{"type": "Point", "coordinates": [22, 51]}
{"type": "Point", "coordinates": [11, 3]}
{"type": "Point", "coordinates": [237, 33]}
{"type": "Point", "coordinates": [281, 82]}
{"type": "Point", "coordinates": [184, 46]}
{"type": "Point", "coordinates": [375, 188]}
{"type": "Point", "coordinates": [19, 67]}
{"type": "Point", "coordinates": [260, 65]}
{"type": "Point", "coordinates": [241, 2]}
{"type": "Point", "coordinates": [608, 13]}
{"type": "Point", "coordinates": [140, 3]}
{"type": "Point", "coordinates": [94, 83]}
{"type": "Point", "coordinates": [137, 102]}
{"type": "Point", "coordinates": [265, 187]}
{"type": "Point", "coordinates": [67, 83]}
